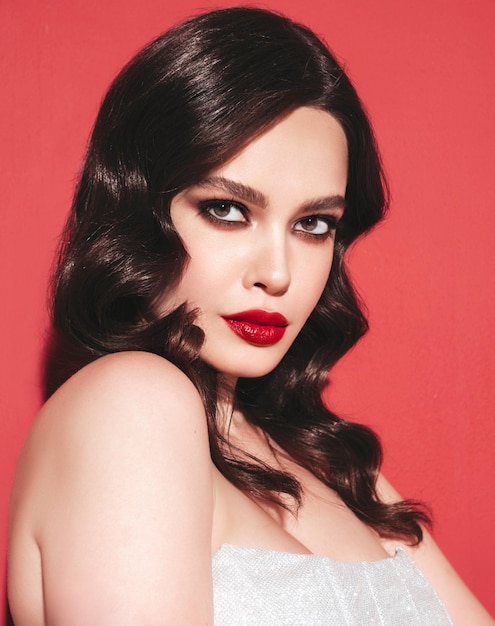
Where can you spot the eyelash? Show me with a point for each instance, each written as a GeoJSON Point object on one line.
{"type": "Point", "coordinates": [329, 220]}
{"type": "Point", "coordinates": [206, 206]}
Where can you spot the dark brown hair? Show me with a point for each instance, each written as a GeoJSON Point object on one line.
{"type": "Point", "coordinates": [181, 108]}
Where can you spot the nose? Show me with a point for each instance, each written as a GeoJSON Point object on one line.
{"type": "Point", "coordinates": [269, 266]}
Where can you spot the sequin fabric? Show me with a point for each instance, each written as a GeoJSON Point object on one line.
{"type": "Point", "coordinates": [254, 587]}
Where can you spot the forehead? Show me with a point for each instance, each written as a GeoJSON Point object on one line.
{"type": "Point", "coordinates": [305, 152]}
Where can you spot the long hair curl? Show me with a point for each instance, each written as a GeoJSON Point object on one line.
{"type": "Point", "coordinates": [184, 106]}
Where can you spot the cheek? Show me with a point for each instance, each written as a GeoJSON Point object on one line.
{"type": "Point", "coordinates": [193, 282]}
{"type": "Point", "coordinates": [191, 287]}
{"type": "Point", "coordinates": [206, 276]}
{"type": "Point", "coordinates": [312, 279]}
{"type": "Point", "coordinates": [315, 296]}
{"type": "Point", "coordinates": [215, 263]}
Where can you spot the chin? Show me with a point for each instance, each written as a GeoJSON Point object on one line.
{"type": "Point", "coordinates": [248, 368]}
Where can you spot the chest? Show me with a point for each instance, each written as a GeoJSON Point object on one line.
{"type": "Point", "coordinates": [323, 525]}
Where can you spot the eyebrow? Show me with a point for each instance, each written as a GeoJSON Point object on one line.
{"type": "Point", "coordinates": [253, 196]}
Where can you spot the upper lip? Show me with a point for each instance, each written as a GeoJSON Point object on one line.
{"type": "Point", "coordinates": [259, 317]}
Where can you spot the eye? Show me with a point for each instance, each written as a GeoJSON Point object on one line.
{"type": "Point", "coordinates": [223, 211]}
{"type": "Point", "coordinates": [316, 225]}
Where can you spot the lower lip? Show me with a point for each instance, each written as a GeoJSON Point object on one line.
{"type": "Point", "coordinates": [255, 333]}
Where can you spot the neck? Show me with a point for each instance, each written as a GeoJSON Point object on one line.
{"type": "Point", "coordinates": [225, 402]}
{"type": "Point", "coordinates": [230, 419]}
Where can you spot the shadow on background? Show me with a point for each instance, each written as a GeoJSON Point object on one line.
{"type": "Point", "coordinates": [8, 616]}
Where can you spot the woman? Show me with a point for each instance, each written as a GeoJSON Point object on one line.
{"type": "Point", "coordinates": [200, 298]}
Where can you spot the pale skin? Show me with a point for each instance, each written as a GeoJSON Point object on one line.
{"type": "Point", "coordinates": [117, 507]}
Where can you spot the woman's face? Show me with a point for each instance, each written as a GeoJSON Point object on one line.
{"type": "Point", "coordinates": [260, 235]}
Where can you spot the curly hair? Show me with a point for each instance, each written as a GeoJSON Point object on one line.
{"type": "Point", "coordinates": [185, 105]}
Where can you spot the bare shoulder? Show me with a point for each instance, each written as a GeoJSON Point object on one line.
{"type": "Point", "coordinates": [124, 377]}
{"type": "Point", "coordinates": [135, 390]}
{"type": "Point", "coordinates": [459, 600]}
{"type": "Point", "coordinates": [128, 398]}
{"type": "Point", "coordinates": [115, 488]}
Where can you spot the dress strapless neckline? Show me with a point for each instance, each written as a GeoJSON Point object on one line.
{"type": "Point", "coordinates": [264, 587]}
{"type": "Point", "coordinates": [233, 548]}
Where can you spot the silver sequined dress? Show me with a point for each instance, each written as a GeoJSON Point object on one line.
{"type": "Point", "coordinates": [254, 587]}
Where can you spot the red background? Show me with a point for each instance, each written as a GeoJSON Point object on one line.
{"type": "Point", "coordinates": [423, 377]}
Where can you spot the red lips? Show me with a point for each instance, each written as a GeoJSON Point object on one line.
{"type": "Point", "coordinates": [262, 328]}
